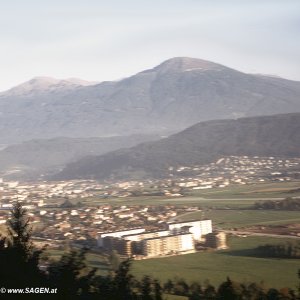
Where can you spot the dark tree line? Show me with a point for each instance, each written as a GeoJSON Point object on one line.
{"type": "Point", "coordinates": [228, 290]}
{"type": "Point", "coordinates": [287, 250]}
{"type": "Point", "coordinates": [20, 267]}
{"type": "Point", "coordinates": [286, 204]}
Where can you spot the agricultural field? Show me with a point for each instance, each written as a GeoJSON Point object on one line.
{"type": "Point", "coordinates": [238, 262]}
{"type": "Point", "coordinates": [227, 219]}
{"type": "Point", "coordinates": [234, 196]}
{"type": "Point", "coordinates": [255, 190]}
{"type": "Point", "coordinates": [182, 201]}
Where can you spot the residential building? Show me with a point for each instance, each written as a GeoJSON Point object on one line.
{"type": "Point", "coordinates": [171, 244]}
{"type": "Point", "coordinates": [216, 240]}
{"type": "Point", "coordinates": [117, 234]}
{"type": "Point", "coordinates": [198, 228]}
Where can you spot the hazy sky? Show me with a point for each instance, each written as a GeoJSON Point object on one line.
{"type": "Point", "coordinates": [107, 40]}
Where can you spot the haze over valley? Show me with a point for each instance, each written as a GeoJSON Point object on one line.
{"type": "Point", "coordinates": [48, 123]}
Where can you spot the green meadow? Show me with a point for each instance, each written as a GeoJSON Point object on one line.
{"type": "Point", "coordinates": [238, 262]}
{"type": "Point", "coordinates": [227, 219]}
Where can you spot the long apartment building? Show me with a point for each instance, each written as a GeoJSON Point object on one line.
{"type": "Point", "coordinates": [128, 242]}
{"type": "Point", "coordinates": [171, 244]}
{"type": "Point", "coordinates": [178, 238]}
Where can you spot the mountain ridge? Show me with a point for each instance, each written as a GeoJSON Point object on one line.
{"type": "Point", "coordinates": [44, 83]}
{"type": "Point", "coordinates": [201, 143]}
{"type": "Point", "coordinates": [37, 158]}
{"type": "Point", "coordinates": [165, 99]}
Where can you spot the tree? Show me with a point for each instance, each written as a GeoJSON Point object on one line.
{"type": "Point", "coordinates": [181, 288]}
{"type": "Point", "coordinates": [123, 282]}
{"type": "Point", "coordinates": [157, 290]}
{"type": "Point", "coordinates": [114, 260]}
{"type": "Point", "coordinates": [71, 276]}
{"type": "Point", "coordinates": [19, 260]}
{"type": "Point", "coordinates": [210, 292]}
{"type": "Point", "coordinates": [146, 288]}
{"type": "Point", "coordinates": [169, 286]}
{"type": "Point", "coordinates": [196, 292]}
{"type": "Point", "coordinates": [230, 290]}
{"type": "Point", "coordinates": [298, 284]}
{"type": "Point", "coordinates": [256, 291]}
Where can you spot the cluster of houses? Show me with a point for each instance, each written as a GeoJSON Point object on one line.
{"type": "Point", "coordinates": [76, 223]}
{"type": "Point", "coordinates": [222, 173]}
{"type": "Point", "coordinates": [236, 170]}
{"type": "Point", "coordinates": [37, 190]}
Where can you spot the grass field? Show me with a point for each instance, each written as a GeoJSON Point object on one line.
{"type": "Point", "coordinates": [93, 260]}
{"type": "Point", "coordinates": [234, 196]}
{"type": "Point", "coordinates": [216, 266]}
{"type": "Point", "coordinates": [256, 190]}
{"type": "Point", "coordinates": [238, 262]}
{"type": "Point", "coordinates": [242, 218]}
{"type": "Point", "coordinates": [183, 201]}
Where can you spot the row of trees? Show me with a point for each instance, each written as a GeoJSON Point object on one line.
{"type": "Point", "coordinates": [20, 267]}
{"type": "Point", "coordinates": [287, 250]}
{"type": "Point", "coordinates": [286, 204]}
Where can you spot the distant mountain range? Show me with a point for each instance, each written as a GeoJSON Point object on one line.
{"type": "Point", "coordinates": [96, 118]}
{"type": "Point", "coordinates": [277, 135]}
{"type": "Point", "coordinates": [166, 99]}
{"type": "Point", "coordinates": [38, 158]}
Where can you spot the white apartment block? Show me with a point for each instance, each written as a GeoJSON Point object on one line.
{"type": "Point", "coordinates": [179, 237]}
{"type": "Point", "coordinates": [198, 228]}
{"type": "Point", "coordinates": [171, 244]}
{"type": "Point", "coordinates": [117, 234]}
{"type": "Point", "coordinates": [146, 235]}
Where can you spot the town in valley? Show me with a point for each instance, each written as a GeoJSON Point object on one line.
{"type": "Point", "coordinates": [103, 217]}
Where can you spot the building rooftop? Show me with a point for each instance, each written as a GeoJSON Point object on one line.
{"type": "Point", "coordinates": [188, 221]}
{"type": "Point", "coordinates": [167, 236]}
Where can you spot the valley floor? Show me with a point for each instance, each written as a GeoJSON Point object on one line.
{"type": "Point", "coordinates": [237, 262]}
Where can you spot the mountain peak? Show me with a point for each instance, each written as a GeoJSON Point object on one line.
{"type": "Point", "coordinates": [43, 83]}
{"type": "Point", "coordinates": [41, 80]}
{"type": "Point", "coordinates": [181, 64]}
